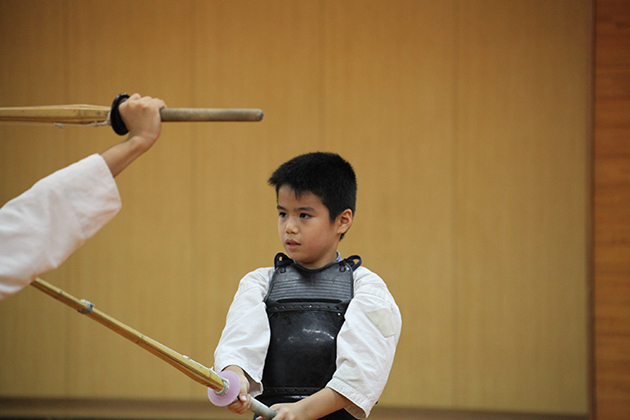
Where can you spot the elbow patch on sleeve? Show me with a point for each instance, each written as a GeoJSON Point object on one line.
{"type": "Point", "coordinates": [382, 318]}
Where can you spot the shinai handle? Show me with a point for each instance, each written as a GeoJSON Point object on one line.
{"type": "Point", "coordinates": [210, 114]}
{"type": "Point", "coordinates": [261, 409]}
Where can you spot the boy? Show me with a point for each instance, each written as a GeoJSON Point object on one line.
{"type": "Point", "coordinates": [315, 334]}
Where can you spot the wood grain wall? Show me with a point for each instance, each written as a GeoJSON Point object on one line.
{"type": "Point", "coordinates": [468, 123]}
{"type": "Point", "coordinates": [612, 211]}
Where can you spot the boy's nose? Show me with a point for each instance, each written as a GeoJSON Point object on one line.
{"type": "Point", "coordinates": [291, 226]}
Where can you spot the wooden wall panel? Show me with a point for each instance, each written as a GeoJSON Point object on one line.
{"type": "Point", "coordinates": [150, 240]}
{"type": "Point", "coordinates": [33, 45]}
{"type": "Point", "coordinates": [389, 108]}
{"type": "Point", "coordinates": [611, 211]}
{"type": "Point", "coordinates": [420, 96]}
{"type": "Point", "coordinates": [522, 205]}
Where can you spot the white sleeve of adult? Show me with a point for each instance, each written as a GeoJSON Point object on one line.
{"type": "Point", "coordinates": [42, 227]}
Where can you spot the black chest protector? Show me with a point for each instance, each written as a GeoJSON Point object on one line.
{"type": "Point", "coordinates": [306, 311]}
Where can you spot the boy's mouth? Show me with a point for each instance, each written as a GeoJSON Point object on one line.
{"type": "Point", "coordinates": [291, 244]}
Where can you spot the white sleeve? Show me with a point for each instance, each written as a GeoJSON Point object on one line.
{"type": "Point", "coordinates": [42, 227]}
{"type": "Point", "coordinates": [366, 343]}
{"type": "Point", "coordinates": [245, 338]}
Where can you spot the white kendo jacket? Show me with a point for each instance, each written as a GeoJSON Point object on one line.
{"type": "Point", "coordinates": [42, 227]}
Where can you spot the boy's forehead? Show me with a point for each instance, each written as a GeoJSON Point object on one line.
{"type": "Point", "coordinates": [287, 192]}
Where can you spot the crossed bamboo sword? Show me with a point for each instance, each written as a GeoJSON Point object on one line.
{"type": "Point", "coordinates": [223, 389]}
{"type": "Point", "coordinates": [220, 386]}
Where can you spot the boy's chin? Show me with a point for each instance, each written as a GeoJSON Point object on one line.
{"type": "Point", "coordinates": [296, 257]}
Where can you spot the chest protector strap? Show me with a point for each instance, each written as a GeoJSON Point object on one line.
{"type": "Point", "coordinates": [306, 310]}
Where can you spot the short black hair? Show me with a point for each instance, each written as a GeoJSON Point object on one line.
{"type": "Point", "coordinates": [327, 175]}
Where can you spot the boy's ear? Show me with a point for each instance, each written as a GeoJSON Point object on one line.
{"type": "Point", "coordinates": [344, 221]}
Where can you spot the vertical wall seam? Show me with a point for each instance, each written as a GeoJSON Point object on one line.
{"type": "Point", "coordinates": [591, 322]}
{"type": "Point", "coordinates": [321, 58]}
{"type": "Point", "coordinates": [455, 401]}
{"type": "Point", "coordinates": [194, 203]}
{"type": "Point", "coordinates": [65, 19]}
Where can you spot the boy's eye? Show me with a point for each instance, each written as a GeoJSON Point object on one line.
{"type": "Point", "coordinates": [282, 214]}
{"type": "Point", "coordinates": [304, 215]}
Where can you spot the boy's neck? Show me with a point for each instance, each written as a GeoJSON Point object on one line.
{"type": "Point", "coordinates": [337, 259]}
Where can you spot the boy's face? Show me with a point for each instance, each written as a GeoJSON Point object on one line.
{"type": "Point", "coordinates": [305, 229]}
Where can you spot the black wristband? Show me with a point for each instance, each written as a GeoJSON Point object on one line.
{"type": "Point", "coordinates": [115, 119]}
